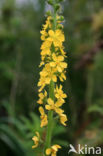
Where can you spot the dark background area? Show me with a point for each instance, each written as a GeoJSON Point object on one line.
{"type": "Point", "coordinates": [20, 25]}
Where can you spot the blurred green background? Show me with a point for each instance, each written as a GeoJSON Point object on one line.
{"type": "Point", "coordinates": [20, 25]}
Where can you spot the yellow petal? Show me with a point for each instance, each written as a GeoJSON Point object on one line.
{"type": "Point", "coordinates": [50, 101]}
{"type": "Point", "coordinates": [51, 33]}
{"type": "Point", "coordinates": [63, 119]}
{"type": "Point", "coordinates": [63, 65]}
{"type": "Point", "coordinates": [41, 110]}
{"type": "Point", "coordinates": [48, 107]}
{"type": "Point", "coordinates": [59, 69]}
{"type": "Point", "coordinates": [34, 146]}
{"type": "Point", "coordinates": [54, 57]}
{"type": "Point", "coordinates": [59, 110]}
{"type": "Point", "coordinates": [56, 147]}
{"type": "Point", "coordinates": [52, 64]}
{"type": "Point", "coordinates": [54, 78]}
{"type": "Point", "coordinates": [60, 58]}
{"type": "Point", "coordinates": [45, 93]}
{"type": "Point", "coordinates": [59, 103]}
{"type": "Point", "coordinates": [48, 151]}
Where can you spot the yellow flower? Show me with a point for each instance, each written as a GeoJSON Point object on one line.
{"type": "Point", "coordinates": [63, 119]}
{"type": "Point", "coordinates": [45, 52]}
{"type": "Point", "coordinates": [63, 52]}
{"type": "Point", "coordinates": [56, 37]}
{"type": "Point", "coordinates": [59, 93]}
{"type": "Point", "coordinates": [54, 106]}
{"type": "Point", "coordinates": [36, 140]}
{"type": "Point", "coordinates": [62, 76]}
{"type": "Point", "coordinates": [58, 63]}
{"type": "Point", "coordinates": [42, 83]}
{"type": "Point", "coordinates": [48, 23]}
{"type": "Point", "coordinates": [49, 74]}
{"type": "Point", "coordinates": [46, 48]}
{"type": "Point", "coordinates": [53, 150]}
{"type": "Point", "coordinates": [43, 117]}
{"type": "Point", "coordinates": [42, 97]}
{"type": "Point", "coordinates": [44, 34]}
{"type": "Point", "coordinates": [41, 64]}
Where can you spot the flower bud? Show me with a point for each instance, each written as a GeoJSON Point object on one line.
{"type": "Point", "coordinates": [50, 2]}
{"type": "Point", "coordinates": [61, 18]}
{"type": "Point", "coordinates": [57, 7]}
{"type": "Point", "coordinates": [48, 13]}
{"type": "Point", "coordinates": [60, 26]}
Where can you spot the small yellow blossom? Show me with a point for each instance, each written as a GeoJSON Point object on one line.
{"type": "Point", "coordinates": [56, 37]}
{"type": "Point", "coordinates": [42, 97]}
{"type": "Point", "coordinates": [48, 23]}
{"type": "Point", "coordinates": [63, 119]}
{"type": "Point", "coordinates": [62, 76]}
{"type": "Point", "coordinates": [54, 106]}
{"type": "Point", "coordinates": [53, 150]}
{"type": "Point", "coordinates": [58, 63]}
{"type": "Point", "coordinates": [36, 140]}
{"type": "Point", "coordinates": [43, 117]}
{"type": "Point", "coordinates": [63, 52]}
{"type": "Point", "coordinates": [44, 34]}
{"type": "Point", "coordinates": [46, 45]}
{"type": "Point", "coordinates": [47, 74]}
{"type": "Point", "coordinates": [42, 83]}
{"type": "Point", "coordinates": [59, 93]}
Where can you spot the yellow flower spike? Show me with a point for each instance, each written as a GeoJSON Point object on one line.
{"type": "Point", "coordinates": [43, 117]}
{"type": "Point", "coordinates": [54, 66]}
{"type": "Point", "coordinates": [36, 140]}
{"type": "Point", "coordinates": [53, 150]}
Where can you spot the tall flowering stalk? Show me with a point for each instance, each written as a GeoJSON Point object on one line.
{"type": "Point", "coordinates": [51, 95]}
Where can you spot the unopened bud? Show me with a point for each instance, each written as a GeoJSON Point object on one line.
{"type": "Point", "coordinates": [48, 13]}
{"type": "Point", "coordinates": [60, 26]}
{"type": "Point", "coordinates": [57, 7]}
{"type": "Point", "coordinates": [61, 18]}
{"type": "Point", "coordinates": [50, 2]}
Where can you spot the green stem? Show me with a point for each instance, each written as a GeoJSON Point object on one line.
{"type": "Point", "coordinates": [51, 95]}
{"type": "Point", "coordinates": [50, 117]}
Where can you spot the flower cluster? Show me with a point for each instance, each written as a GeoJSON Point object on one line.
{"type": "Point", "coordinates": [53, 150]}
{"type": "Point", "coordinates": [52, 56]}
{"type": "Point", "coordinates": [53, 69]}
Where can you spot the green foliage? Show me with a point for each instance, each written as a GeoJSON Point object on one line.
{"type": "Point", "coordinates": [17, 134]}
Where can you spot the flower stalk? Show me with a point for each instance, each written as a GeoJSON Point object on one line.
{"type": "Point", "coordinates": [54, 68]}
